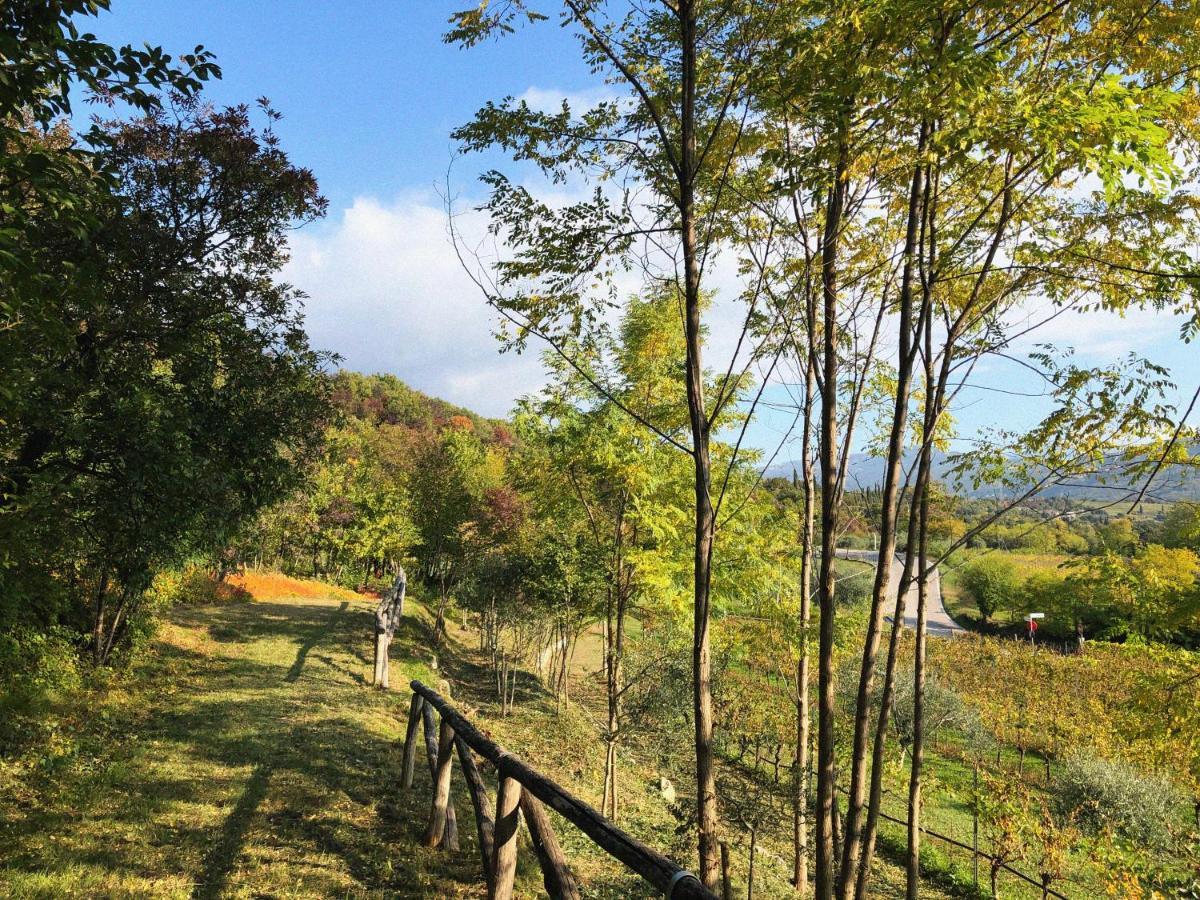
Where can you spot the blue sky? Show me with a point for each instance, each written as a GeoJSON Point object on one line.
{"type": "Point", "coordinates": [369, 95]}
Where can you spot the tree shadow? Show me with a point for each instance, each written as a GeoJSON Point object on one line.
{"type": "Point", "coordinates": [219, 860]}
{"type": "Point", "coordinates": [311, 641]}
{"type": "Point", "coordinates": [162, 790]}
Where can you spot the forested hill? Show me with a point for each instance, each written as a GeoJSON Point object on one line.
{"type": "Point", "coordinates": [386, 400]}
{"type": "Point", "coordinates": [396, 474]}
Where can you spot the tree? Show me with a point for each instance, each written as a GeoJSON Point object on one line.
{"type": "Point", "coordinates": [1150, 596]}
{"type": "Point", "coordinates": [683, 68]}
{"type": "Point", "coordinates": [171, 393]}
{"type": "Point", "coordinates": [56, 191]}
{"type": "Point", "coordinates": [993, 584]}
{"type": "Point", "coordinates": [1181, 526]}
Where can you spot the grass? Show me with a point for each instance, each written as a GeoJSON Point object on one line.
{"type": "Point", "coordinates": [244, 755]}
{"type": "Point", "coordinates": [961, 607]}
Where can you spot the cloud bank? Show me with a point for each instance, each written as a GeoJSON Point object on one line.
{"type": "Point", "coordinates": [387, 293]}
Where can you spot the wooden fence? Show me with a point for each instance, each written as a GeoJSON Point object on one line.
{"type": "Point", "coordinates": [522, 789]}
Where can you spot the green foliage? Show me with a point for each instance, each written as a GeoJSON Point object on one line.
{"type": "Point", "coordinates": [1103, 794]}
{"type": "Point", "coordinates": [853, 588]}
{"type": "Point", "coordinates": [169, 392]}
{"type": "Point", "coordinates": [192, 585]}
{"type": "Point", "coordinates": [37, 668]}
{"type": "Point", "coordinates": [993, 584]}
{"type": "Point", "coordinates": [945, 711]}
{"type": "Point", "coordinates": [1148, 596]}
{"type": "Point", "coordinates": [1181, 526]}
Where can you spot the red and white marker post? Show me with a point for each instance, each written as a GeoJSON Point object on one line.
{"type": "Point", "coordinates": [1032, 619]}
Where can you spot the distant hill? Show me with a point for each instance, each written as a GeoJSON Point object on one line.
{"type": "Point", "coordinates": [386, 400]}
{"type": "Point", "coordinates": [1172, 484]}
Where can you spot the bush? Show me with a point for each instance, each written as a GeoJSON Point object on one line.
{"type": "Point", "coordinates": [1100, 793]}
{"type": "Point", "coordinates": [853, 587]}
{"type": "Point", "coordinates": [992, 582]}
{"type": "Point", "coordinates": [37, 668]}
{"type": "Point", "coordinates": [945, 710]}
{"type": "Point", "coordinates": [191, 586]}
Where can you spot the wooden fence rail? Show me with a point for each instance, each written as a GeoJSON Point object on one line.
{"type": "Point", "coordinates": [523, 789]}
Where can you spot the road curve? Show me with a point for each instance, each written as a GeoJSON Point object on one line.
{"type": "Point", "coordinates": [937, 621]}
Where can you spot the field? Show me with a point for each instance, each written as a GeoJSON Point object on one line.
{"type": "Point", "coordinates": [961, 607]}
{"type": "Point", "coordinates": [244, 756]}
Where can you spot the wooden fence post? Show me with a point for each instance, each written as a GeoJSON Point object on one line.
{"type": "Point", "coordinates": [441, 788]}
{"type": "Point", "coordinates": [504, 857]}
{"type": "Point", "coordinates": [450, 839]}
{"type": "Point", "coordinates": [410, 741]}
{"type": "Point", "coordinates": [556, 876]}
{"type": "Point", "coordinates": [484, 823]}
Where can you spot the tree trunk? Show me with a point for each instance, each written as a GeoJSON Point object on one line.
{"type": "Point", "coordinates": [918, 749]}
{"type": "Point", "coordinates": [889, 684]}
{"type": "Point", "coordinates": [826, 853]}
{"type": "Point", "coordinates": [98, 620]}
{"type": "Point", "coordinates": [706, 787]}
{"type": "Point", "coordinates": [803, 716]}
{"type": "Point", "coordinates": [889, 506]}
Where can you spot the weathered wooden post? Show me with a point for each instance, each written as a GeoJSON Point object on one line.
{"type": "Point", "coordinates": [387, 619]}
{"type": "Point", "coordinates": [556, 876]}
{"type": "Point", "coordinates": [450, 838]}
{"type": "Point", "coordinates": [410, 741]}
{"type": "Point", "coordinates": [441, 787]}
{"type": "Point", "coordinates": [484, 823]}
{"type": "Point", "coordinates": [504, 857]}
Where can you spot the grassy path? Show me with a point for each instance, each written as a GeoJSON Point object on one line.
{"type": "Point", "coordinates": [245, 758]}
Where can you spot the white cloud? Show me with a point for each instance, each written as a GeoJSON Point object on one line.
{"type": "Point", "coordinates": [550, 100]}
{"type": "Point", "coordinates": [386, 291]}
{"type": "Point", "coordinates": [1098, 335]}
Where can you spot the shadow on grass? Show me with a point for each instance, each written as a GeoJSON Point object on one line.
{"type": "Point", "coordinates": [311, 641]}
{"type": "Point", "coordinates": [224, 853]}
{"type": "Point", "coordinates": [321, 806]}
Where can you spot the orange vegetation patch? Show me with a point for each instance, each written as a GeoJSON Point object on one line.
{"type": "Point", "coordinates": [276, 586]}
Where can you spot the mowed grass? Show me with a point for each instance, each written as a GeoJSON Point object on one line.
{"type": "Point", "coordinates": [244, 757]}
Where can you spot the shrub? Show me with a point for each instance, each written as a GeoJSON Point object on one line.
{"type": "Point", "coordinates": [36, 669]}
{"type": "Point", "coordinates": [853, 588]}
{"type": "Point", "coordinates": [192, 586]}
{"type": "Point", "coordinates": [992, 582]}
{"type": "Point", "coordinates": [945, 710]}
{"type": "Point", "coordinates": [1100, 793]}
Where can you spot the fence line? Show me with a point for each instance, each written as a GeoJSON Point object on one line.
{"type": "Point", "coordinates": [1005, 867]}
{"type": "Point", "coordinates": [524, 788]}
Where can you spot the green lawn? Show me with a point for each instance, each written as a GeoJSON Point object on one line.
{"type": "Point", "coordinates": [245, 756]}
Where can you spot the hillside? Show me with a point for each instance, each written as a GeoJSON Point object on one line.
{"type": "Point", "coordinates": [383, 399]}
{"type": "Point", "coordinates": [246, 757]}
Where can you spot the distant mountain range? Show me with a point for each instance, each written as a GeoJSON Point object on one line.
{"type": "Point", "coordinates": [1172, 483]}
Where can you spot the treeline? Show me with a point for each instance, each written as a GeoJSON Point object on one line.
{"type": "Point", "coordinates": [399, 471]}
{"type": "Point", "coordinates": [158, 389]}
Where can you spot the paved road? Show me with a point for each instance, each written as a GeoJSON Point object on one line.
{"type": "Point", "coordinates": [937, 620]}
